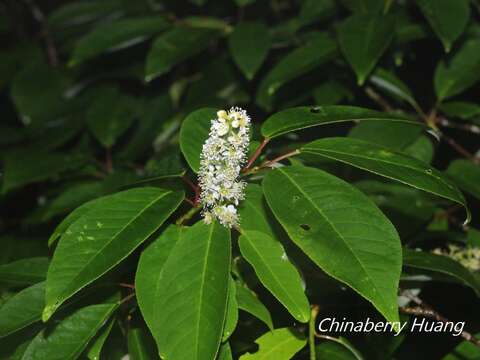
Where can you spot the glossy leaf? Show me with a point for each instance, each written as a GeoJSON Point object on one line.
{"type": "Point", "coordinates": [461, 109]}
{"type": "Point", "coordinates": [193, 133]}
{"type": "Point", "coordinates": [392, 85]}
{"type": "Point", "coordinates": [466, 174]}
{"type": "Point", "coordinates": [253, 211]}
{"type": "Point", "coordinates": [298, 62]}
{"type": "Point", "coordinates": [441, 264]}
{"type": "Point", "coordinates": [448, 18]}
{"type": "Point", "coordinates": [22, 309]}
{"type": "Point", "coordinates": [141, 345]}
{"type": "Point", "coordinates": [103, 237]}
{"type": "Point", "coordinates": [24, 271]}
{"type": "Point", "coordinates": [248, 301]}
{"type": "Point", "coordinates": [279, 344]}
{"type": "Point", "coordinates": [349, 238]}
{"type": "Point", "coordinates": [150, 266]}
{"type": "Point", "coordinates": [175, 46]}
{"type": "Point", "coordinates": [385, 162]}
{"type": "Point", "coordinates": [304, 117]}
{"type": "Point", "coordinates": [110, 115]}
{"type": "Point", "coordinates": [460, 73]}
{"type": "Point", "coordinates": [249, 44]}
{"type": "Point", "coordinates": [95, 347]}
{"type": "Point", "coordinates": [68, 338]}
{"type": "Point", "coordinates": [225, 352]}
{"type": "Point", "coordinates": [116, 35]}
{"type": "Point", "coordinates": [363, 39]}
{"type": "Point", "coordinates": [196, 294]}
{"type": "Point", "coordinates": [276, 272]}
{"type": "Point", "coordinates": [231, 318]}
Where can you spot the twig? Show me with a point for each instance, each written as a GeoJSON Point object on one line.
{"type": "Point", "coordinates": [372, 94]}
{"type": "Point", "coordinates": [311, 332]}
{"type": "Point", "coordinates": [188, 215]}
{"type": "Point", "coordinates": [256, 154]}
{"type": "Point", "coordinates": [195, 188]}
{"type": "Point", "coordinates": [465, 127]}
{"type": "Point", "coordinates": [128, 286]}
{"type": "Point", "coordinates": [426, 310]}
{"type": "Point", "coordinates": [126, 298]}
{"type": "Point", "coordinates": [45, 33]}
{"type": "Point", "coordinates": [270, 163]}
{"type": "Point", "coordinates": [459, 148]}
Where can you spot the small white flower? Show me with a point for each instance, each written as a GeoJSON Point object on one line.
{"type": "Point", "coordinates": [222, 158]}
{"type": "Point", "coordinates": [468, 256]}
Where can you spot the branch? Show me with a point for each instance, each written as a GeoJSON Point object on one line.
{"type": "Point", "coordinates": [372, 94]}
{"type": "Point", "coordinates": [426, 310]}
{"type": "Point", "coordinates": [256, 154]}
{"type": "Point", "coordinates": [50, 48]}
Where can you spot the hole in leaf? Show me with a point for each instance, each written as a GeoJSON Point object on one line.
{"type": "Point", "coordinates": [315, 110]}
{"type": "Point", "coordinates": [305, 227]}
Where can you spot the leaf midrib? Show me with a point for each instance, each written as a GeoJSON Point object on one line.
{"type": "Point", "coordinates": [272, 273]}
{"type": "Point", "coordinates": [336, 231]}
{"type": "Point", "coordinates": [161, 196]}
{"type": "Point", "coordinates": [320, 152]}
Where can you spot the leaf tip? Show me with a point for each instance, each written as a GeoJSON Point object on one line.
{"type": "Point", "coordinates": [48, 312]}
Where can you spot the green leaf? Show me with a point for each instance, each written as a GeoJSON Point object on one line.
{"type": "Point", "coordinates": [175, 46]}
{"type": "Point", "coordinates": [231, 317]}
{"type": "Point", "coordinates": [464, 351]}
{"type": "Point", "coordinates": [460, 73]}
{"type": "Point", "coordinates": [193, 133]}
{"type": "Point", "coordinates": [392, 85]}
{"type": "Point", "coordinates": [196, 294]}
{"type": "Point", "coordinates": [422, 149]}
{"type": "Point", "coordinates": [27, 271]}
{"type": "Point", "coordinates": [331, 93]}
{"type": "Point", "coordinates": [225, 353]}
{"type": "Point", "coordinates": [79, 12]}
{"type": "Point", "coordinates": [448, 18]}
{"type": "Point", "coordinates": [116, 35]}
{"type": "Point", "coordinates": [248, 301]}
{"type": "Point", "coordinates": [334, 351]}
{"type": "Point", "coordinates": [29, 166]}
{"type": "Point", "coordinates": [441, 264]}
{"type": "Point", "coordinates": [349, 238]}
{"type": "Point", "coordinates": [466, 174]}
{"type": "Point", "coordinates": [103, 237]}
{"type": "Point", "coordinates": [298, 62]}
{"type": "Point", "coordinates": [141, 345]}
{"type": "Point", "coordinates": [110, 114]}
{"type": "Point", "coordinates": [279, 344]}
{"type": "Point", "coordinates": [22, 309]}
{"type": "Point", "coordinates": [150, 265]}
{"type": "Point", "coordinates": [253, 211]}
{"type": "Point", "coordinates": [96, 346]}
{"type": "Point", "coordinates": [388, 163]}
{"type": "Point", "coordinates": [304, 117]}
{"type": "Point", "coordinates": [276, 272]}
{"type": "Point", "coordinates": [68, 339]}
{"type": "Point", "coordinates": [363, 39]}
{"type": "Point", "coordinates": [249, 44]}
{"type": "Point", "coordinates": [460, 109]}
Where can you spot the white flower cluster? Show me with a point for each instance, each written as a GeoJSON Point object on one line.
{"type": "Point", "coordinates": [221, 161]}
{"type": "Point", "coordinates": [468, 256]}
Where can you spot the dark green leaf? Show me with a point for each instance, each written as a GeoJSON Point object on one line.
{"type": "Point", "coordinates": [141, 345]}
{"type": "Point", "coordinates": [150, 265]}
{"type": "Point", "coordinates": [448, 18]}
{"type": "Point", "coordinates": [175, 46]}
{"type": "Point", "coordinates": [67, 339]}
{"type": "Point", "coordinates": [350, 238]}
{"type": "Point", "coordinates": [231, 317]}
{"type": "Point", "coordinates": [298, 62]}
{"type": "Point", "coordinates": [110, 115]}
{"type": "Point", "coordinates": [79, 12]}
{"type": "Point", "coordinates": [25, 271]}
{"type": "Point", "coordinates": [103, 237]}
{"type": "Point", "coordinates": [195, 294]}
{"type": "Point", "coordinates": [467, 175]}
{"type": "Point", "coordinates": [279, 344]}
{"type": "Point", "coordinates": [276, 272]}
{"type": "Point", "coordinates": [460, 73]}
{"type": "Point", "coordinates": [22, 309]}
{"type": "Point", "coordinates": [464, 351]}
{"type": "Point", "coordinates": [116, 35]}
{"type": "Point", "coordinates": [249, 44]}
{"type": "Point", "coordinates": [363, 39]}
{"type": "Point", "coordinates": [95, 347]}
{"type": "Point", "coordinates": [442, 264]}
{"type": "Point", "coordinates": [461, 109]}
{"type": "Point", "coordinates": [193, 133]}
{"type": "Point", "coordinates": [385, 162]}
{"type": "Point", "coordinates": [248, 301]}
{"type": "Point", "coordinates": [304, 117]}
{"type": "Point", "coordinates": [331, 93]}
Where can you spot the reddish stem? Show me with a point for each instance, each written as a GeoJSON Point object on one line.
{"type": "Point", "coordinates": [256, 154]}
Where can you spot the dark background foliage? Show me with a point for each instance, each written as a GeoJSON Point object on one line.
{"type": "Point", "coordinates": [91, 106]}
